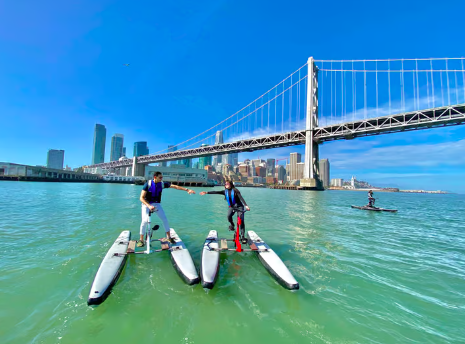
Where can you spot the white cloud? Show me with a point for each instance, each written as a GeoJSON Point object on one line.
{"type": "Point", "coordinates": [424, 155]}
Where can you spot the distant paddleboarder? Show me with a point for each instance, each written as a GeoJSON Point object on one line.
{"type": "Point", "coordinates": [151, 202]}
{"type": "Point", "coordinates": [371, 200]}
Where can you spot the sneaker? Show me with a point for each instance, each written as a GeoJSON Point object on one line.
{"type": "Point", "coordinates": [231, 228]}
{"type": "Point", "coordinates": [244, 241]}
{"type": "Point", "coordinates": [171, 240]}
{"type": "Point", "coordinates": [140, 243]}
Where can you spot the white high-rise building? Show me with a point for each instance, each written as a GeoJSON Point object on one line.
{"type": "Point", "coordinates": [293, 171]}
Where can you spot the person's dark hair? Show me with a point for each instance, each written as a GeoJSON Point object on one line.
{"type": "Point", "coordinates": [230, 182]}
{"type": "Point", "coordinates": [157, 173]}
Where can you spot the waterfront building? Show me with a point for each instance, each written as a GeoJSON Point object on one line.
{"type": "Point", "coordinates": [116, 150]}
{"type": "Point", "coordinates": [26, 172]}
{"type": "Point", "coordinates": [178, 174]}
{"type": "Point", "coordinates": [337, 182]}
{"type": "Point", "coordinates": [100, 136]}
{"type": "Point", "coordinates": [293, 161]}
{"type": "Point", "coordinates": [324, 172]}
{"type": "Point", "coordinates": [55, 158]}
{"type": "Point", "coordinates": [140, 148]}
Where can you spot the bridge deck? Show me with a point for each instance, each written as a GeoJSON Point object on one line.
{"type": "Point", "coordinates": [415, 120]}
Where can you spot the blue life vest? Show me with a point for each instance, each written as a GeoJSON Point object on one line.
{"type": "Point", "coordinates": [232, 198]}
{"type": "Point", "coordinates": [155, 189]}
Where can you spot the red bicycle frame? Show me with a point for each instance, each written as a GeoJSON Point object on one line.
{"type": "Point", "coordinates": [237, 239]}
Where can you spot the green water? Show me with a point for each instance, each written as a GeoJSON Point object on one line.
{"type": "Point", "coordinates": [365, 277]}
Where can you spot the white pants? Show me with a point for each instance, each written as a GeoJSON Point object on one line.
{"type": "Point", "coordinates": [145, 217]}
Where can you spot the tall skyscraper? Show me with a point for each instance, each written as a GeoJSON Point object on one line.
{"type": "Point", "coordinates": [100, 136]}
{"type": "Point", "coordinates": [124, 151]}
{"type": "Point", "coordinates": [293, 171]}
{"type": "Point", "coordinates": [227, 159]}
{"type": "Point", "coordinates": [218, 139]}
{"type": "Point", "coordinates": [204, 160]}
{"type": "Point", "coordinates": [235, 159]}
{"type": "Point", "coordinates": [281, 173]}
{"type": "Point", "coordinates": [324, 172]}
{"type": "Point", "coordinates": [55, 158]}
{"type": "Point", "coordinates": [116, 151]}
{"type": "Point", "coordinates": [270, 167]}
{"type": "Point", "coordinates": [140, 148]}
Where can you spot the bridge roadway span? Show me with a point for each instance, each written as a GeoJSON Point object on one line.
{"type": "Point", "coordinates": [430, 118]}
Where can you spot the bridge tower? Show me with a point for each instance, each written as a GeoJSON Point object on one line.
{"type": "Point", "coordinates": [138, 170]}
{"type": "Point", "coordinates": [311, 169]}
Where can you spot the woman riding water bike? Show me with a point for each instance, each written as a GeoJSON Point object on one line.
{"type": "Point", "coordinates": [236, 203]}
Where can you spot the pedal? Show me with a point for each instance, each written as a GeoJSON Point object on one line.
{"type": "Point", "coordinates": [131, 247]}
{"type": "Point", "coordinates": [164, 244]}
{"type": "Point", "coordinates": [224, 244]}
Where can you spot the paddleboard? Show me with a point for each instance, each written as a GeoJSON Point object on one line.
{"type": "Point", "coordinates": [272, 262]}
{"type": "Point", "coordinates": [109, 270]}
{"type": "Point", "coordinates": [209, 265]}
{"type": "Point", "coordinates": [374, 208]}
{"type": "Point", "coordinates": [182, 260]}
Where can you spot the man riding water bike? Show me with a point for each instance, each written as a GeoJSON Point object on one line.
{"type": "Point", "coordinates": [151, 198]}
{"type": "Point", "coordinates": [371, 200]}
{"type": "Point", "coordinates": [235, 201]}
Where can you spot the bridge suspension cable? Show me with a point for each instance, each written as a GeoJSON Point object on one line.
{"type": "Point", "coordinates": [387, 87]}
{"type": "Point", "coordinates": [348, 90]}
{"type": "Point", "coordinates": [260, 117]}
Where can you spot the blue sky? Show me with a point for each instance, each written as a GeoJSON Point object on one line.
{"type": "Point", "coordinates": [192, 64]}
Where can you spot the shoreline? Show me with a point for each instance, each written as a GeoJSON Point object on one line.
{"type": "Point", "coordinates": [438, 192]}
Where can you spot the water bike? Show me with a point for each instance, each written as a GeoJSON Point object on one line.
{"type": "Point", "coordinates": [113, 263]}
{"type": "Point", "coordinates": [213, 246]}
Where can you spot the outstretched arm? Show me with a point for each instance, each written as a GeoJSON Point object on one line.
{"type": "Point", "coordinates": [212, 193]}
{"type": "Point", "coordinates": [189, 191]}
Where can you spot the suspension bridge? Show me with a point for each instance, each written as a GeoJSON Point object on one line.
{"type": "Point", "coordinates": [326, 100]}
